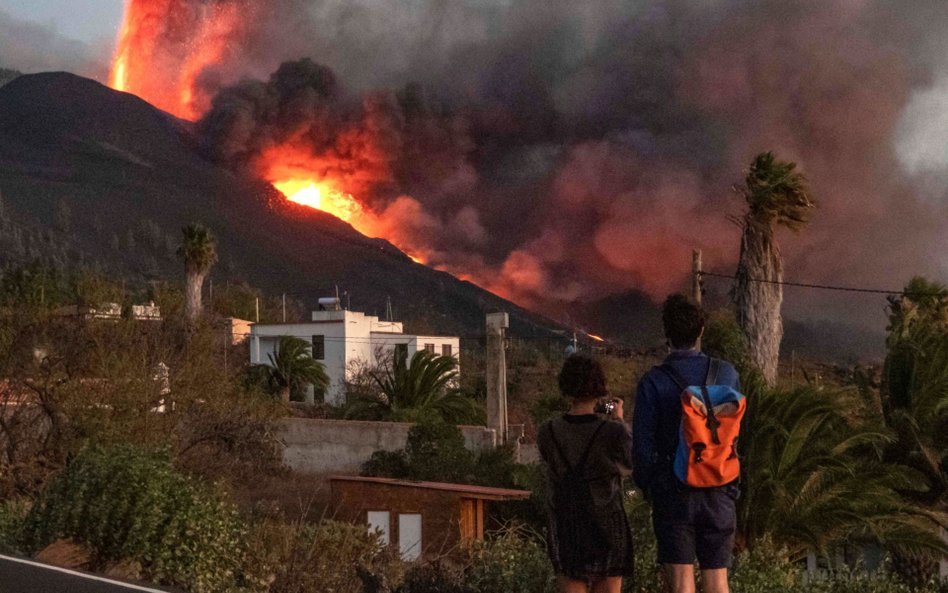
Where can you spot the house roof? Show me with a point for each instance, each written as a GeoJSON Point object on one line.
{"type": "Point", "coordinates": [483, 492]}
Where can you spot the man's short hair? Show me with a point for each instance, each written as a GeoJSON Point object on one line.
{"type": "Point", "coordinates": [582, 377]}
{"type": "Point", "coordinates": [683, 321]}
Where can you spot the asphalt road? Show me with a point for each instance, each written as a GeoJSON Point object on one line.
{"type": "Point", "coordinates": [26, 576]}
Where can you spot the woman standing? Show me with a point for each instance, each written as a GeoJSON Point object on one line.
{"type": "Point", "coordinates": [587, 455]}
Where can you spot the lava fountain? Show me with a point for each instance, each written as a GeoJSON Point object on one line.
{"type": "Point", "coordinates": [165, 45]}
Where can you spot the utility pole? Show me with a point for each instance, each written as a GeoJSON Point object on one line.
{"type": "Point", "coordinates": [284, 307]}
{"type": "Point", "coordinates": [497, 323]}
{"type": "Point", "coordinates": [257, 308]}
{"type": "Point", "coordinates": [696, 283]}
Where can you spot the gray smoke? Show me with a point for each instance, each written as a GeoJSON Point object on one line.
{"type": "Point", "coordinates": [599, 140]}
{"type": "Point", "coordinates": [31, 47]}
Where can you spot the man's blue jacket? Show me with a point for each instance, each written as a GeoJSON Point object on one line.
{"type": "Point", "coordinates": [656, 420]}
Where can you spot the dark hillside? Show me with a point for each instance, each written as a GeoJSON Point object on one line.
{"type": "Point", "coordinates": [94, 177]}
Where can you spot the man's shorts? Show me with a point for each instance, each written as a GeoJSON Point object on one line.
{"type": "Point", "coordinates": [695, 524]}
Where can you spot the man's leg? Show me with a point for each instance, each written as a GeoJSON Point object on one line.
{"type": "Point", "coordinates": [568, 585]}
{"type": "Point", "coordinates": [715, 529]}
{"type": "Point", "coordinates": [714, 580]}
{"type": "Point", "coordinates": [679, 578]}
{"type": "Point", "coordinates": [607, 585]}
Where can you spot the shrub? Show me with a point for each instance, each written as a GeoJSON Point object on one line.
{"type": "Point", "coordinates": [387, 464]}
{"type": "Point", "coordinates": [12, 517]}
{"type": "Point", "coordinates": [511, 562]}
{"type": "Point", "coordinates": [435, 451]}
{"type": "Point", "coordinates": [128, 504]}
{"type": "Point", "coordinates": [647, 578]}
{"type": "Point", "coordinates": [764, 569]}
{"type": "Point", "coordinates": [323, 558]}
{"type": "Point", "coordinates": [433, 578]}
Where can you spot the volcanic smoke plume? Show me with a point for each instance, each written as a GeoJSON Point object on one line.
{"type": "Point", "coordinates": [554, 151]}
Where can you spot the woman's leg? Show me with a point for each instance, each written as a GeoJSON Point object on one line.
{"type": "Point", "coordinates": [607, 585]}
{"type": "Point", "coordinates": [568, 585]}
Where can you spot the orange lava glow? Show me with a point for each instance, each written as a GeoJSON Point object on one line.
{"type": "Point", "coordinates": [595, 337]}
{"type": "Point", "coordinates": [164, 73]}
{"type": "Point", "coordinates": [309, 192]}
{"type": "Point", "coordinates": [320, 195]}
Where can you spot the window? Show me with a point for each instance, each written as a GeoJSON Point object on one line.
{"type": "Point", "coordinates": [409, 536]}
{"type": "Point", "coordinates": [319, 347]}
{"type": "Point", "coordinates": [429, 348]}
{"type": "Point", "coordinates": [380, 522]}
{"type": "Point", "coordinates": [401, 351]}
{"type": "Point", "coordinates": [446, 350]}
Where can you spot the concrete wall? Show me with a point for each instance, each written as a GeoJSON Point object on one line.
{"type": "Point", "coordinates": [342, 446]}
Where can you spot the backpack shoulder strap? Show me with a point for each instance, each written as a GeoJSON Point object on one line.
{"type": "Point", "coordinates": [714, 369]}
{"type": "Point", "coordinates": [582, 458]}
{"type": "Point", "coordinates": [674, 375]}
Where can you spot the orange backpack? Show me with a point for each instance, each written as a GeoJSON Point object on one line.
{"type": "Point", "coordinates": [710, 425]}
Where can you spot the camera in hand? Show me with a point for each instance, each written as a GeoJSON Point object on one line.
{"type": "Point", "coordinates": [605, 406]}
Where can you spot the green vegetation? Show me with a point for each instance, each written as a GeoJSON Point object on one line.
{"type": "Point", "coordinates": [127, 504]}
{"type": "Point", "coordinates": [293, 368]}
{"type": "Point", "coordinates": [435, 451]}
{"type": "Point", "coordinates": [829, 469]}
{"type": "Point", "coordinates": [424, 388]}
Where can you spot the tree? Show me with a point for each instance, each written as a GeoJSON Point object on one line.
{"type": "Point", "coordinates": [776, 194]}
{"type": "Point", "coordinates": [815, 477]}
{"type": "Point", "coordinates": [293, 367]}
{"type": "Point", "coordinates": [199, 252]}
{"type": "Point", "coordinates": [421, 390]}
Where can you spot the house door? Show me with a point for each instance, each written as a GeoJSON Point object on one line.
{"type": "Point", "coordinates": [409, 536]}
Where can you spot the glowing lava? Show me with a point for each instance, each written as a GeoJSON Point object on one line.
{"type": "Point", "coordinates": [164, 47]}
{"type": "Point", "coordinates": [595, 337]}
{"type": "Point", "coordinates": [316, 195]}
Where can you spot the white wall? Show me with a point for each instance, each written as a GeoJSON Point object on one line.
{"type": "Point", "coordinates": [351, 339]}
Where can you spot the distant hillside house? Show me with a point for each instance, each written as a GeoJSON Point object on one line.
{"type": "Point", "coordinates": [345, 342]}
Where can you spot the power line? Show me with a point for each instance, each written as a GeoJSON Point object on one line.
{"type": "Point", "coordinates": [829, 287]}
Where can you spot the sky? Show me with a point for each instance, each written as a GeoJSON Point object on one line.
{"type": "Point", "coordinates": [90, 21]}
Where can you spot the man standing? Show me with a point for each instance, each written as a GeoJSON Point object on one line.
{"type": "Point", "coordinates": [690, 523]}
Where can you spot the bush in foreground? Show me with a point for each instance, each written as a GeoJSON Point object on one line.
{"type": "Point", "coordinates": [129, 504]}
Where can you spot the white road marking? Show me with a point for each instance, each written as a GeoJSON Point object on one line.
{"type": "Point", "coordinates": [81, 574]}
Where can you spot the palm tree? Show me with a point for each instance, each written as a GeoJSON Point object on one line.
{"type": "Point", "coordinates": [199, 252]}
{"type": "Point", "coordinates": [815, 477]}
{"type": "Point", "coordinates": [293, 367]}
{"type": "Point", "coordinates": [776, 194]}
{"type": "Point", "coordinates": [424, 389]}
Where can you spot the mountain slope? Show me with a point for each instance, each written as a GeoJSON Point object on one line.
{"type": "Point", "coordinates": [98, 177]}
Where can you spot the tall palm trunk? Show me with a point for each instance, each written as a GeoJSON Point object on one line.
{"type": "Point", "coordinates": [776, 194]}
{"type": "Point", "coordinates": [758, 295]}
{"type": "Point", "coordinates": [192, 303]}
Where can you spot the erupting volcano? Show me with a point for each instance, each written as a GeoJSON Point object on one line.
{"type": "Point", "coordinates": [167, 53]}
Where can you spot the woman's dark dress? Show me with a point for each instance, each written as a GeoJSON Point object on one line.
{"type": "Point", "coordinates": [609, 460]}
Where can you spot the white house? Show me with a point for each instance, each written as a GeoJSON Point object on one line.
{"type": "Point", "coordinates": [344, 341]}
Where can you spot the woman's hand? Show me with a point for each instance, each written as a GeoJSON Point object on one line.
{"type": "Point", "coordinates": [617, 411]}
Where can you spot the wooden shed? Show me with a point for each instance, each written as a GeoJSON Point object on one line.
{"type": "Point", "coordinates": [422, 518]}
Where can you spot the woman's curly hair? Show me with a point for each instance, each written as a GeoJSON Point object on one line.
{"type": "Point", "coordinates": [582, 377]}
